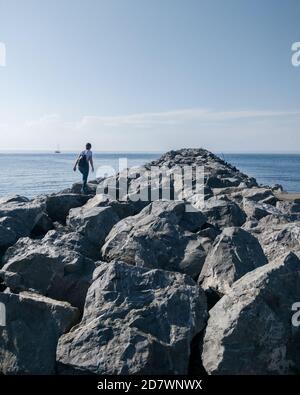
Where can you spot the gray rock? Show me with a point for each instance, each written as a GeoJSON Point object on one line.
{"type": "Point", "coordinates": [215, 168]}
{"type": "Point", "coordinates": [292, 209]}
{"type": "Point", "coordinates": [277, 188]}
{"type": "Point", "coordinates": [250, 330]}
{"type": "Point", "coordinates": [135, 321]}
{"type": "Point", "coordinates": [223, 213]}
{"type": "Point", "coordinates": [93, 223]}
{"type": "Point", "coordinates": [73, 241]}
{"type": "Point", "coordinates": [58, 205]}
{"type": "Point", "coordinates": [278, 238]}
{"type": "Point", "coordinates": [216, 173]}
{"type": "Point", "coordinates": [234, 253]}
{"type": "Point", "coordinates": [221, 182]}
{"type": "Point", "coordinates": [48, 268]}
{"type": "Point", "coordinates": [250, 224]}
{"type": "Point", "coordinates": [18, 218]}
{"type": "Point", "coordinates": [28, 341]}
{"type": "Point", "coordinates": [272, 200]}
{"type": "Point", "coordinates": [7, 235]}
{"type": "Point", "coordinates": [257, 194]}
{"type": "Point", "coordinates": [43, 225]}
{"type": "Point", "coordinates": [76, 188]}
{"type": "Point", "coordinates": [162, 236]}
{"type": "Point", "coordinates": [139, 319]}
{"type": "Point", "coordinates": [258, 210]}
{"type": "Point", "coordinates": [235, 191]}
{"type": "Point", "coordinates": [122, 208]}
{"type": "Point", "coordinates": [13, 199]}
{"type": "Point", "coordinates": [27, 213]}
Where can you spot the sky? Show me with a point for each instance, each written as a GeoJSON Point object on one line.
{"type": "Point", "coordinates": [150, 75]}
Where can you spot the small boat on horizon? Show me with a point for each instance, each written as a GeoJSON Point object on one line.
{"type": "Point", "coordinates": [57, 151]}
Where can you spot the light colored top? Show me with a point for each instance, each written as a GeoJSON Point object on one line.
{"type": "Point", "coordinates": [88, 154]}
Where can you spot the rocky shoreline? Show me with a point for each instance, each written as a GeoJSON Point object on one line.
{"type": "Point", "coordinates": [95, 285]}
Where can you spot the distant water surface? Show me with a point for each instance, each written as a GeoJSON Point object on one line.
{"type": "Point", "coordinates": [269, 169]}
{"type": "Point", "coordinates": [36, 173]}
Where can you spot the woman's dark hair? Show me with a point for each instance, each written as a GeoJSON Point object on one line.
{"type": "Point", "coordinates": [88, 146]}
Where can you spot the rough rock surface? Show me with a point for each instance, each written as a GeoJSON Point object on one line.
{"type": "Point", "coordinates": [250, 329]}
{"type": "Point", "coordinates": [163, 236]}
{"type": "Point", "coordinates": [72, 240]}
{"type": "Point", "coordinates": [223, 213]}
{"type": "Point", "coordinates": [234, 253]}
{"type": "Point", "coordinates": [18, 217]}
{"type": "Point", "coordinates": [292, 209]}
{"type": "Point", "coordinates": [77, 187]}
{"type": "Point", "coordinates": [34, 324]}
{"type": "Point", "coordinates": [135, 321]}
{"type": "Point", "coordinates": [218, 173]}
{"type": "Point", "coordinates": [46, 268]}
{"type": "Point", "coordinates": [258, 210]}
{"type": "Point", "coordinates": [93, 223]}
{"type": "Point", "coordinates": [143, 311]}
{"type": "Point", "coordinates": [122, 208]}
{"type": "Point", "coordinates": [13, 199]}
{"type": "Point", "coordinates": [58, 205]}
{"type": "Point", "coordinates": [256, 194]}
{"type": "Point", "coordinates": [277, 236]}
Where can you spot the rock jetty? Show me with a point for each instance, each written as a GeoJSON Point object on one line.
{"type": "Point", "coordinates": [99, 284]}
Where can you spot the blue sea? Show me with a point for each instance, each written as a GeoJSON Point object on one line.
{"type": "Point", "coordinates": [38, 173]}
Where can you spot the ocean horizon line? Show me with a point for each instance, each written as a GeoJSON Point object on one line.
{"type": "Point", "coordinates": [47, 152]}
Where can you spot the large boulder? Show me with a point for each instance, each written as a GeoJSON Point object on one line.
{"type": "Point", "coordinates": [33, 325]}
{"type": "Point", "coordinates": [163, 236]}
{"type": "Point", "coordinates": [256, 194]}
{"type": "Point", "coordinates": [48, 268]}
{"type": "Point", "coordinates": [258, 210]}
{"type": "Point", "coordinates": [93, 223]}
{"type": "Point", "coordinates": [18, 218]}
{"type": "Point", "coordinates": [235, 252]}
{"type": "Point", "coordinates": [58, 205]}
{"type": "Point", "coordinates": [223, 213]}
{"type": "Point", "coordinates": [135, 321]}
{"type": "Point", "coordinates": [63, 238]}
{"type": "Point", "coordinates": [123, 209]}
{"type": "Point", "coordinates": [26, 213]}
{"type": "Point", "coordinates": [277, 237]}
{"type": "Point", "coordinates": [250, 330]}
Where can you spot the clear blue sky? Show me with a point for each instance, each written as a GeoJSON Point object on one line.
{"type": "Point", "coordinates": [150, 74]}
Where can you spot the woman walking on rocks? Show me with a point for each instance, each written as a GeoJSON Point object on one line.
{"type": "Point", "coordinates": [84, 160]}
